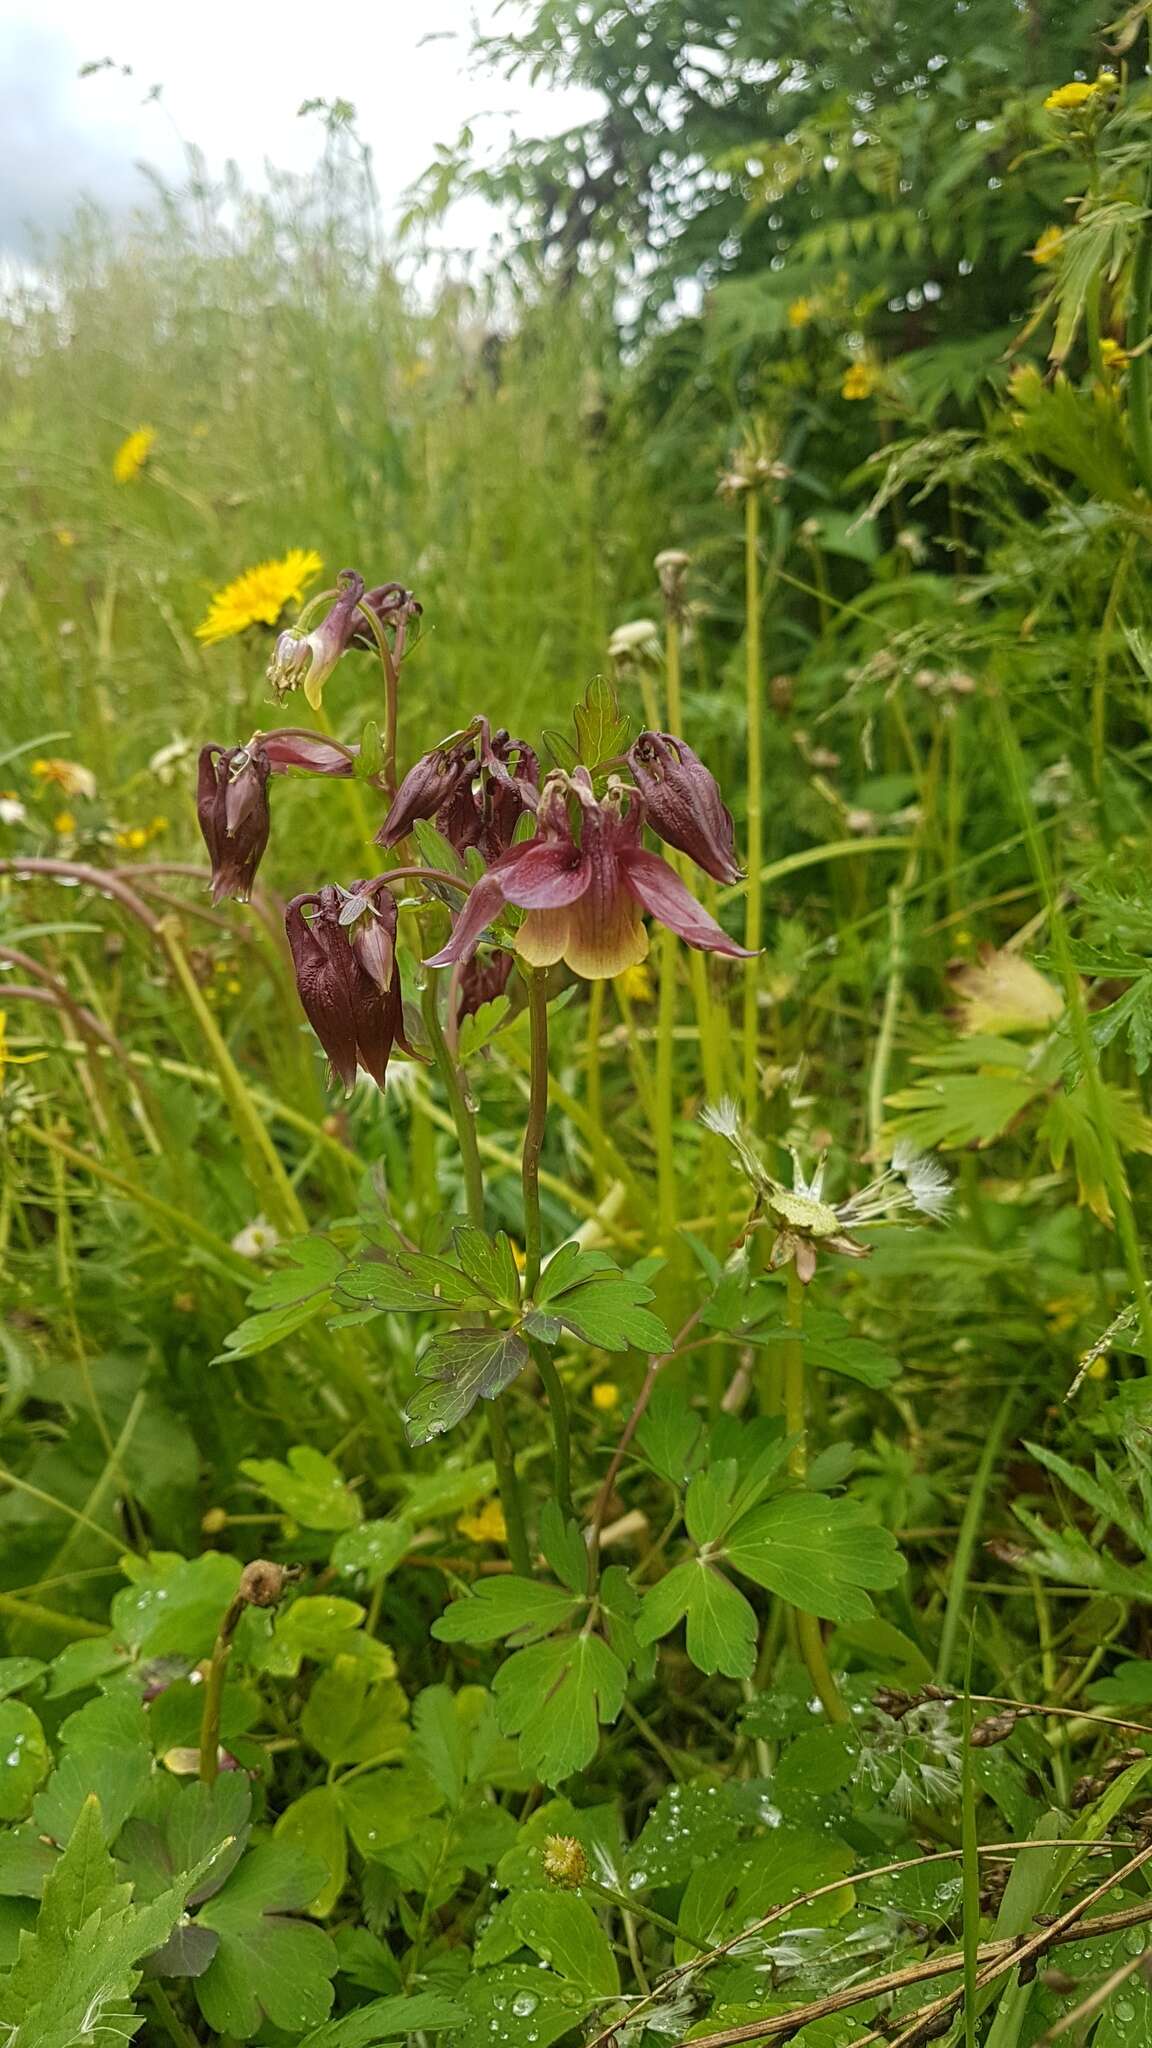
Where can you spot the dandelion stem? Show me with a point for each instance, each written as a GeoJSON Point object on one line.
{"type": "Point", "coordinates": [755, 816]}
{"type": "Point", "coordinates": [809, 1633]}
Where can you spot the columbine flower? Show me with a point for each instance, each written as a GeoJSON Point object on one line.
{"type": "Point", "coordinates": [347, 974]}
{"type": "Point", "coordinates": [292, 746]}
{"type": "Point", "coordinates": [259, 596]}
{"type": "Point", "coordinates": [1047, 246]}
{"type": "Point", "coordinates": [684, 804]}
{"type": "Point", "coordinates": [476, 785]}
{"type": "Point", "coordinates": [804, 1223]}
{"type": "Point", "coordinates": [132, 454]}
{"type": "Point", "coordinates": [309, 658]}
{"type": "Point", "coordinates": [232, 810]}
{"type": "Point", "coordinates": [585, 895]}
{"type": "Point", "coordinates": [68, 776]}
{"type": "Point", "coordinates": [257, 1239]}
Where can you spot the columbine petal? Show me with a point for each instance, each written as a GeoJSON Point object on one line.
{"type": "Point", "coordinates": [664, 896]}
{"type": "Point", "coordinates": [484, 904]}
{"type": "Point", "coordinates": [546, 877]}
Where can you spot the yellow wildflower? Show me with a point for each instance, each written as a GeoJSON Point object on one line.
{"type": "Point", "coordinates": [484, 1524]}
{"type": "Point", "coordinates": [132, 839]}
{"type": "Point", "coordinates": [64, 823]}
{"type": "Point", "coordinates": [1112, 355]}
{"type": "Point", "coordinates": [132, 454]}
{"type": "Point", "coordinates": [1068, 98]}
{"type": "Point", "coordinates": [259, 596]}
{"type": "Point", "coordinates": [70, 776]}
{"type": "Point", "coordinates": [64, 536]}
{"type": "Point", "coordinates": [860, 380]}
{"type": "Point", "coordinates": [801, 311]}
{"type": "Point", "coordinates": [12, 1059]}
{"type": "Point", "coordinates": [636, 984]}
{"type": "Point", "coordinates": [1047, 246]}
{"type": "Point", "coordinates": [605, 1396]}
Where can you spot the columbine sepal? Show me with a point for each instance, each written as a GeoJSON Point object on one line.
{"type": "Point", "coordinates": [684, 804]}
{"type": "Point", "coordinates": [233, 815]}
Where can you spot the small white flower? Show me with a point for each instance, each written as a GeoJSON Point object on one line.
{"type": "Point", "coordinates": [723, 1117]}
{"type": "Point", "coordinates": [12, 811]}
{"type": "Point", "coordinates": [167, 761]}
{"type": "Point", "coordinates": [257, 1239]}
{"type": "Point", "coordinates": [639, 640]}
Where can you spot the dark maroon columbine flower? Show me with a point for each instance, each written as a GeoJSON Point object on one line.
{"type": "Point", "coordinates": [391, 605]}
{"type": "Point", "coordinates": [232, 809]}
{"type": "Point", "coordinates": [585, 893]}
{"type": "Point", "coordinates": [294, 747]}
{"type": "Point", "coordinates": [475, 785]}
{"type": "Point", "coordinates": [684, 804]}
{"type": "Point", "coordinates": [309, 658]}
{"type": "Point", "coordinates": [347, 975]}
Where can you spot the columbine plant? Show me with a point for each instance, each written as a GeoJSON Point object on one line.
{"type": "Point", "coordinates": [549, 872]}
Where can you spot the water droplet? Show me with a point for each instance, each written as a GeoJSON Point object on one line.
{"type": "Point", "coordinates": [524, 2003]}
{"type": "Point", "coordinates": [12, 1758]}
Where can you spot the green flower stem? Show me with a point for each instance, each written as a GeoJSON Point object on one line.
{"type": "Point", "coordinates": [809, 1633]}
{"type": "Point", "coordinates": [666, 1205]}
{"type": "Point", "coordinates": [755, 815]}
{"type": "Point", "coordinates": [214, 1692]}
{"type": "Point", "coordinates": [561, 1426]}
{"type": "Point", "coordinates": [626, 1904]}
{"type": "Point", "coordinates": [594, 1086]}
{"type": "Point", "coordinates": [169, 2018]}
{"type": "Point", "coordinates": [534, 1128]}
{"type": "Point", "coordinates": [1139, 327]}
{"type": "Point", "coordinates": [464, 1120]}
{"type": "Point", "coordinates": [283, 1203]}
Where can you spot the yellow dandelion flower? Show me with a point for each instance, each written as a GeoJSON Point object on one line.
{"type": "Point", "coordinates": [801, 311]}
{"type": "Point", "coordinates": [860, 380]}
{"type": "Point", "coordinates": [132, 454]}
{"type": "Point", "coordinates": [484, 1524]}
{"type": "Point", "coordinates": [64, 823]}
{"type": "Point", "coordinates": [1047, 246]}
{"type": "Point", "coordinates": [605, 1396]}
{"type": "Point", "coordinates": [636, 984]}
{"type": "Point", "coordinates": [64, 536]}
{"type": "Point", "coordinates": [69, 776]}
{"type": "Point", "coordinates": [259, 596]}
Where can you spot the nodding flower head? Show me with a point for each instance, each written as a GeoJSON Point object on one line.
{"type": "Point", "coordinates": [391, 605]}
{"type": "Point", "coordinates": [684, 804]}
{"type": "Point", "coordinates": [308, 659]}
{"type": "Point", "coordinates": [294, 747]}
{"type": "Point", "coordinates": [347, 977]}
{"type": "Point", "coordinates": [804, 1223]}
{"type": "Point", "coordinates": [586, 881]}
{"type": "Point", "coordinates": [476, 785]}
{"type": "Point", "coordinates": [232, 810]}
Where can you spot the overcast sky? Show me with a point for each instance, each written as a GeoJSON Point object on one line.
{"type": "Point", "coordinates": [233, 74]}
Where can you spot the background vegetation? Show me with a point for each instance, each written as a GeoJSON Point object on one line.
{"type": "Point", "coordinates": [887, 285]}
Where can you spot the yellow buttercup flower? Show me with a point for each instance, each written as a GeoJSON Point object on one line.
{"type": "Point", "coordinates": [800, 312]}
{"type": "Point", "coordinates": [484, 1524]}
{"type": "Point", "coordinates": [132, 454]}
{"type": "Point", "coordinates": [860, 380]}
{"type": "Point", "coordinates": [1047, 246]}
{"type": "Point", "coordinates": [258, 597]}
{"type": "Point", "coordinates": [1112, 355]}
{"type": "Point", "coordinates": [69, 776]}
{"type": "Point", "coordinates": [1067, 98]}
{"type": "Point", "coordinates": [132, 839]}
{"type": "Point", "coordinates": [605, 1396]}
{"type": "Point", "coordinates": [64, 823]}
{"type": "Point", "coordinates": [636, 984]}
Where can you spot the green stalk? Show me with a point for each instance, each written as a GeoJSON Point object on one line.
{"type": "Point", "coordinates": [561, 1428]}
{"type": "Point", "coordinates": [464, 1121]}
{"type": "Point", "coordinates": [534, 1128]}
{"type": "Point", "coordinates": [279, 1193]}
{"type": "Point", "coordinates": [1139, 327]}
{"type": "Point", "coordinates": [808, 1630]}
{"type": "Point", "coordinates": [755, 815]}
{"type": "Point", "coordinates": [966, 1540]}
{"type": "Point", "coordinates": [594, 1089]}
{"type": "Point", "coordinates": [1115, 1178]}
{"type": "Point", "coordinates": [214, 1692]}
{"type": "Point", "coordinates": [666, 1206]}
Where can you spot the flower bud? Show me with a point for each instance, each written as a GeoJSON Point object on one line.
{"type": "Point", "coordinates": [292, 747]}
{"type": "Point", "coordinates": [232, 810]}
{"type": "Point", "coordinates": [565, 1861]}
{"type": "Point", "coordinates": [309, 658]}
{"type": "Point", "coordinates": [684, 804]}
{"type": "Point", "coordinates": [428, 788]}
{"type": "Point", "coordinates": [338, 956]}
